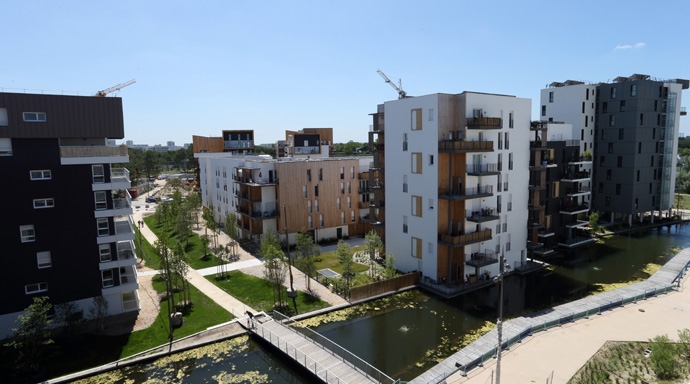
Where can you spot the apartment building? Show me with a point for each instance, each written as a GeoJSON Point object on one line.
{"type": "Point", "coordinates": [455, 187]}
{"type": "Point", "coordinates": [237, 142]}
{"type": "Point", "coordinates": [320, 195]}
{"type": "Point", "coordinates": [307, 143]}
{"type": "Point", "coordinates": [67, 210]}
{"type": "Point", "coordinates": [635, 137]}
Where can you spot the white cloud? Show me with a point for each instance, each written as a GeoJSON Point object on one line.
{"type": "Point", "coordinates": [628, 46]}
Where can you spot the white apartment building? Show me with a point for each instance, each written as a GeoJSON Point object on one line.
{"type": "Point", "coordinates": [456, 184]}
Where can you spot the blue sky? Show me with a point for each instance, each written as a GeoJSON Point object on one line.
{"type": "Point", "coordinates": [205, 66]}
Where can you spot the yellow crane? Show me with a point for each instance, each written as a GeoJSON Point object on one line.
{"type": "Point", "coordinates": [118, 87]}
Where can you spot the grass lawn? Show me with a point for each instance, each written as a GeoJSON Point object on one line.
{"type": "Point", "coordinates": [330, 260]}
{"type": "Point", "coordinates": [203, 314]}
{"type": "Point", "coordinates": [256, 293]}
{"type": "Point", "coordinates": [194, 249]}
{"type": "Point", "coordinates": [147, 251]}
{"type": "Point", "coordinates": [683, 202]}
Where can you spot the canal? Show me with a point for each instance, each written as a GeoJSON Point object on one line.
{"type": "Point", "coordinates": [406, 334]}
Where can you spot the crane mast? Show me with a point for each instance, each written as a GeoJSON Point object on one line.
{"type": "Point", "coordinates": [401, 94]}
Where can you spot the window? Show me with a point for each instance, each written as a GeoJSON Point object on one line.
{"type": "Point", "coordinates": [103, 226]}
{"type": "Point", "coordinates": [608, 201]}
{"type": "Point", "coordinates": [608, 174]}
{"type": "Point", "coordinates": [641, 118]}
{"type": "Point", "coordinates": [551, 97]}
{"type": "Point", "coordinates": [431, 114]}
{"type": "Point", "coordinates": [337, 203]}
{"type": "Point", "coordinates": [5, 146]}
{"type": "Point", "coordinates": [499, 184]}
{"type": "Point", "coordinates": [309, 175]}
{"type": "Point", "coordinates": [342, 173]}
{"type": "Point", "coordinates": [500, 162]}
{"type": "Point", "coordinates": [431, 204]}
{"type": "Point", "coordinates": [510, 161]}
{"type": "Point", "coordinates": [612, 120]}
{"type": "Point", "coordinates": [352, 172]}
{"type": "Point", "coordinates": [320, 220]}
{"type": "Point", "coordinates": [498, 204]}
{"type": "Point", "coordinates": [601, 187]}
{"type": "Point", "coordinates": [107, 278]}
{"type": "Point", "coordinates": [610, 147]}
{"type": "Point", "coordinates": [310, 224]}
{"type": "Point", "coordinates": [583, 107]}
{"type": "Point", "coordinates": [47, 202]}
{"type": "Point", "coordinates": [35, 117]}
{"type": "Point", "coordinates": [352, 216]}
{"type": "Point", "coordinates": [404, 224]}
{"type": "Point", "coordinates": [3, 117]}
{"type": "Point", "coordinates": [417, 206]}
{"type": "Point", "coordinates": [27, 233]}
{"type": "Point", "coordinates": [498, 228]}
{"type": "Point", "coordinates": [622, 106]}
{"type": "Point", "coordinates": [416, 119]}
{"type": "Point", "coordinates": [405, 183]}
{"type": "Point", "coordinates": [638, 175]}
{"type": "Point", "coordinates": [316, 205]}
{"type": "Point", "coordinates": [605, 107]}
{"type": "Point", "coordinates": [342, 217]}
{"type": "Point", "coordinates": [650, 187]}
{"type": "Point", "coordinates": [636, 203]}
{"type": "Point", "coordinates": [430, 247]}
{"type": "Point", "coordinates": [308, 206]}
{"type": "Point", "coordinates": [543, 110]}
{"type": "Point", "coordinates": [304, 191]}
{"type": "Point", "coordinates": [639, 147]}
{"type": "Point", "coordinates": [349, 187]}
{"type": "Point", "coordinates": [603, 134]}
{"type": "Point", "coordinates": [349, 203]}
{"type": "Point", "coordinates": [320, 174]}
{"type": "Point", "coordinates": [602, 160]}
{"type": "Point", "coordinates": [35, 288]}
{"type": "Point", "coordinates": [618, 189]}
{"type": "Point", "coordinates": [342, 188]}
{"type": "Point", "coordinates": [507, 141]}
{"type": "Point", "coordinates": [416, 162]}
{"type": "Point", "coordinates": [510, 120]}
{"type": "Point", "coordinates": [555, 188]}
{"type": "Point", "coordinates": [104, 252]}
{"type": "Point", "coordinates": [316, 191]}
{"type": "Point", "coordinates": [416, 248]}
{"type": "Point", "coordinates": [98, 173]}
{"type": "Point", "coordinates": [43, 174]}
{"type": "Point", "coordinates": [633, 90]}
{"type": "Point", "coordinates": [404, 141]}
{"type": "Point", "coordinates": [620, 161]}
{"type": "Point", "coordinates": [100, 199]}
{"type": "Point", "coordinates": [43, 259]}
{"type": "Point", "coordinates": [500, 141]}
{"type": "Point", "coordinates": [431, 159]}
{"type": "Point", "coordinates": [613, 92]}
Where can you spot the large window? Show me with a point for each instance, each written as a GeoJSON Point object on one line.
{"type": "Point", "coordinates": [417, 206]}
{"type": "Point", "coordinates": [35, 117]}
{"type": "Point", "coordinates": [41, 174]}
{"type": "Point", "coordinates": [104, 252]}
{"type": "Point", "coordinates": [416, 162]}
{"type": "Point", "coordinates": [416, 248]}
{"type": "Point", "coordinates": [107, 278]}
{"type": "Point", "coordinates": [416, 119]}
{"type": "Point", "coordinates": [27, 233]}
{"type": "Point", "coordinates": [98, 173]}
{"type": "Point", "coordinates": [103, 226]}
{"type": "Point", "coordinates": [46, 202]}
{"type": "Point", "coordinates": [35, 288]}
{"type": "Point", "coordinates": [100, 199]}
{"type": "Point", "coordinates": [43, 259]}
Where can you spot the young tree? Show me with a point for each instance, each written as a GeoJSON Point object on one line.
{"type": "Point", "coordinates": [164, 256]}
{"type": "Point", "coordinates": [180, 269]}
{"type": "Point", "coordinates": [183, 223]}
{"type": "Point", "coordinates": [684, 342]}
{"type": "Point", "coordinates": [211, 224]}
{"type": "Point", "coordinates": [275, 269]}
{"type": "Point", "coordinates": [205, 241]}
{"type": "Point", "coordinates": [194, 203]}
{"type": "Point", "coordinates": [231, 226]}
{"type": "Point", "coordinates": [306, 253]}
{"type": "Point", "coordinates": [390, 270]}
{"type": "Point", "coordinates": [32, 334]}
{"type": "Point", "coordinates": [222, 253]}
{"type": "Point", "coordinates": [373, 243]}
{"type": "Point", "coordinates": [99, 310]}
{"type": "Point", "coordinates": [663, 357]}
{"type": "Point", "coordinates": [344, 254]}
{"type": "Point", "coordinates": [68, 316]}
{"type": "Point", "coordinates": [594, 222]}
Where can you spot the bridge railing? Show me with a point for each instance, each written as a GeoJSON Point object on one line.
{"type": "Point", "coordinates": [335, 349]}
{"type": "Point", "coordinates": [298, 355]}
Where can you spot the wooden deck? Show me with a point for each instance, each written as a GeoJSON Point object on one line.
{"type": "Point", "coordinates": [516, 329]}
{"type": "Point", "coordinates": [322, 362]}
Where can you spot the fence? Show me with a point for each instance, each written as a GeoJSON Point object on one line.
{"type": "Point", "coordinates": [334, 348]}
{"type": "Point", "coordinates": [568, 318]}
{"type": "Point", "coordinates": [381, 287]}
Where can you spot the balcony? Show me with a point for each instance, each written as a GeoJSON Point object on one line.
{"type": "Point", "coordinates": [534, 205]}
{"type": "Point", "coordinates": [313, 150]}
{"type": "Point", "coordinates": [238, 144]}
{"type": "Point", "coordinates": [93, 154]}
{"type": "Point", "coordinates": [484, 123]}
{"type": "Point", "coordinates": [481, 259]}
{"type": "Point", "coordinates": [482, 169]}
{"type": "Point", "coordinates": [536, 187]}
{"type": "Point", "coordinates": [462, 240]}
{"type": "Point", "coordinates": [574, 209]}
{"type": "Point", "coordinates": [577, 241]}
{"type": "Point", "coordinates": [580, 160]}
{"type": "Point", "coordinates": [577, 224]}
{"type": "Point", "coordinates": [532, 246]}
{"type": "Point", "coordinates": [376, 184]}
{"type": "Point", "coordinates": [538, 126]}
{"type": "Point", "coordinates": [580, 191]}
{"type": "Point", "coordinates": [381, 203]}
{"type": "Point", "coordinates": [544, 251]}
{"type": "Point", "coordinates": [462, 146]}
{"type": "Point", "coordinates": [481, 216]}
{"type": "Point", "coordinates": [466, 193]}
{"type": "Point", "coordinates": [364, 204]}
{"type": "Point", "coordinates": [546, 232]}
{"type": "Point", "coordinates": [543, 165]}
{"type": "Point", "coordinates": [572, 143]}
{"type": "Point", "coordinates": [122, 230]}
{"type": "Point", "coordinates": [534, 224]}
{"type": "Point", "coordinates": [120, 176]}
{"type": "Point", "coordinates": [577, 176]}
{"type": "Point", "coordinates": [537, 145]}
{"type": "Point", "coordinates": [375, 147]}
{"type": "Point", "coordinates": [373, 166]}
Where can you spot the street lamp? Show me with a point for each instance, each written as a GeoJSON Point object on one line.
{"type": "Point", "coordinates": [499, 324]}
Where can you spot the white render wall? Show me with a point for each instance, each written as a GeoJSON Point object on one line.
{"type": "Point", "coordinates": [567, 106]}
{"type": "Point", "coordinates": [439, 118]}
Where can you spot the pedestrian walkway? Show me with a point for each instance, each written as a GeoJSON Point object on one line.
{"type": "Point", "coordinates": [567, 346]}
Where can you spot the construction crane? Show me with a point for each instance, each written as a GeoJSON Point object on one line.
{"type": "Point", "coordinates": [401, 94]}
{"type": "Point", "coordinates": [118, 87]}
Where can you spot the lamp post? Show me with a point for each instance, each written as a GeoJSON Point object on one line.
{"type": "Point", "coordinates": [499, 323]}
{"type": "Point", "coordinates": [292, 294]}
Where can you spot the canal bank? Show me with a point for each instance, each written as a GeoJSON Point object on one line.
{"type": "Point", "coordinates": [574, 331]}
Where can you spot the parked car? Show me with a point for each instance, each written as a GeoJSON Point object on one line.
{"type": "Point", "coordinates": [150, 199]}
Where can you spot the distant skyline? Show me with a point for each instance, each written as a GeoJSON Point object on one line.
{"type": "Point", "coordinates": [286, 65]}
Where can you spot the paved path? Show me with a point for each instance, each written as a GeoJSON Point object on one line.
{"type": "Point", "coordinates": [564, 350]}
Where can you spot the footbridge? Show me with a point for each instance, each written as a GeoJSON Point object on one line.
{"type": "Point", "coordinates": [325, 359]}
